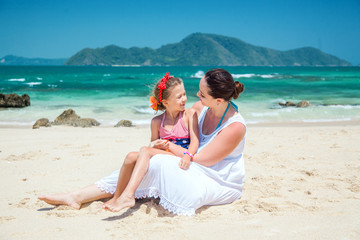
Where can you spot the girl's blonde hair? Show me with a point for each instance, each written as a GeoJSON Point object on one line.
{"type": "Point", "coordinates": [170, 84]}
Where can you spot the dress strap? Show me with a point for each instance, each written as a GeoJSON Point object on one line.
{"type": "Point", "coordinates": [222, 118]}
{"type": "Point", "coordinates": [235, 106]}
{"type": "Point", "coordinates": [163, 119]}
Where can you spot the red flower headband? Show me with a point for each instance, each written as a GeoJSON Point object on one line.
{"type": "Point", "coordinates": [162, 85]}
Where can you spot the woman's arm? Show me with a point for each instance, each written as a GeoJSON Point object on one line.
{"type": "Point", "coordinates": [222, 145]}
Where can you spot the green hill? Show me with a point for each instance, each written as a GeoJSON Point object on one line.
{"type": "Point", "coordinates": [14, 60]}
{"type": "Point", "coordinates": [205, 49]}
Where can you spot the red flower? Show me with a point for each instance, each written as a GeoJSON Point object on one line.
{"type": "Point", "coordinates": [154, 102]}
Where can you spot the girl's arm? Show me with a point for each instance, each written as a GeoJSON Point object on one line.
{"type": "Point", "coordinates": [194, 131]}
{"type": "Point", "coordinates": [222, 145]}
{"type": "Point", "coordinates": [155, 127]}
{"type": "Point", "coordinates": [156, 142]}
{"type": "Point", "coordinates": [194, 136]}
{"type": "Point", "coordinates": [198, 107]}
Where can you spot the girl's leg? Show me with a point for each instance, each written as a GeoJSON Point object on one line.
{"type": "Point", "coordinates": [92, 192]}
{"type": "Point", "coordinates": [124, 176]}
{"type": "Point", "coordinates": [127, 197]}
{"type": "Point", "coordinates": [76, 198]}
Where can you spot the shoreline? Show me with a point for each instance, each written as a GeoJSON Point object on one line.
{"type": "Point", "coordinates": [261, 124]}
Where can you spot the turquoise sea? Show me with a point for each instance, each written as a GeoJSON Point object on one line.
{"type": "Point", "coordinates": [110, 94]}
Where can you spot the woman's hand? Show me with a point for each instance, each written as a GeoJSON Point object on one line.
{"type": "Point", "coordinates": [160, 144]}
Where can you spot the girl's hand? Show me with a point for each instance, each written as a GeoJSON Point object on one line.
{"type": "Point", "coordinates": [185, 162]}
{"type": "Point", "coordinates": [160, 144]}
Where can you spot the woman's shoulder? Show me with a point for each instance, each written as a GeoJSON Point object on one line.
{"type": "Point", "coordinates": [236, 120]}
{"type": "Point", "coordinates": [235, 129]}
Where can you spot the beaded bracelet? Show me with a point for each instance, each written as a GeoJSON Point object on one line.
{"type": "Point", "coordinates": [186, 152]}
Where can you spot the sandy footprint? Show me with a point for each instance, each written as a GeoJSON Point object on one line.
{"type": "Point", "coordinates": [62, 211]}
{"type": "Point", "coordinates": [23, 203]}
{"type": "Point", "coordinates": [4, 219]}
{"type": "Point", "coordinates": [310, 173]}
{"type": "Point", "coordinates": [31, 155]}
{"type": "Point", "coordinates": [94, 207]}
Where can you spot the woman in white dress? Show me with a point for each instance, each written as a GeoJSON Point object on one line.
{"type": "Point", "coordinates": [216, 173]}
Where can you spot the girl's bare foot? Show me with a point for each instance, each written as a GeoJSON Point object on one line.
{"type": "Point", "coordinates": [61, 199]}
{"type": "Point", "coordinates": [121, 203]}
{"type": "Point", "coordinates": [110, 202]}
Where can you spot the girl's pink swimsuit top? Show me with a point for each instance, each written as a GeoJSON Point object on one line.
{"type": "Point", "coordinates": [179, 134]}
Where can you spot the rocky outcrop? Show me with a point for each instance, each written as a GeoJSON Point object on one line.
{"type": "Point", "coordinates": [124, 123]}
{"type": "Point", "coordinates": [13, 100]}
{"type": "Point", "coordinates": [69, 117]}
{"type": "Point", "coordinates": [303, 104]}
{"type": "Point", "coordinates": [300, 104]}
{"type": "Point", "coordinates": [287, 104]}
{"type": "Point", "coordinates": [42, 122]}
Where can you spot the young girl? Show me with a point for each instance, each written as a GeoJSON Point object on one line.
{"type": "Point", "coordinates": [174, 132]}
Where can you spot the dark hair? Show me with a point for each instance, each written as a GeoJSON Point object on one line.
{"type": "Point", "coordinates": [222, 85]}
{"type": "Point", "coordinates": [171, 83]}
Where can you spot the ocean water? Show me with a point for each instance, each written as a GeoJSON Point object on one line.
{"type": "Point", "coordinates": [110, 94]}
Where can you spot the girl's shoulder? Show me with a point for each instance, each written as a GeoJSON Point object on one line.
{"type": "Point", "coordinates": [157, 119]}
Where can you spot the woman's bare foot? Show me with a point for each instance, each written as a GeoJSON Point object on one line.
{"type": "Point", "coordinates": [121, 203]}
{"type": "Point", "coordinates": [61, 199]}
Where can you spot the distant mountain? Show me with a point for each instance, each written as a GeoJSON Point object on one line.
{"type": "Point", "coordinates": [206, 50]}
{"type": "Point", "coordinates": [14, 60]}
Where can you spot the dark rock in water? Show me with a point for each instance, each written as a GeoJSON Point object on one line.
{"type": "Point", "coordinates": [303, 104]}
{"type": "Point", "coordinates": [288, 104]}
{"type": "Point", "coordinates": [42, 122]}
{"type": "Point", "coordinates": [124, 123]}
{"type": "Point", "coordinates": [14, 101]}
{"type": "Point", "coordinates": [69, 117]}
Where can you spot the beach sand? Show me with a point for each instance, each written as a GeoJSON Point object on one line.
{"type": "Point", "coordinates": [302, 182]}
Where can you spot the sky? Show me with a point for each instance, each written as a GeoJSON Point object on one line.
{"type": "Point", "coordinates": [59, 29]}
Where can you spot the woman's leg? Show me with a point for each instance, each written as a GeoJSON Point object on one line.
{"type": "Point", "coordinates": [76, 198]}
{"type": "Point", "coordinates": [124, 176]}
{"type": "Point", "coordinates": [127, 197]}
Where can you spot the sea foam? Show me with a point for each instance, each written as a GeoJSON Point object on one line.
{"type": "Point", "coordinates": [198, 74]}
{"type": "Point", "coordinates": [251, 75]}
{"type": "Point", "coordinates": [33, 83]}
{"type": "Point", "coordinates": [143, 110]}
{"type": "Point", "coordinates": [17, 80]}
{"type": "Point", "coordinates": [327, 120]}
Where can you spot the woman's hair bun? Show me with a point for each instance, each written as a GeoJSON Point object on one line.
{"type": "Point", "coordinates": [239, 88]}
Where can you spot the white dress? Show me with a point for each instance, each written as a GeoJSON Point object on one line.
{"type": "Point", "coordinates": [183, 191]}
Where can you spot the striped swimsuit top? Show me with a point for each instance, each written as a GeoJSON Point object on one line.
{"type": "Point", "coordinates": [179, 134]}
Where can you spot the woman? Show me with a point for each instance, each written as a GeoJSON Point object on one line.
{"type": "Point", "coordinates": [216, 173]}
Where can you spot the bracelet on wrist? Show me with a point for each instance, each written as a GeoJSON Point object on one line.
{"type": "Point", "coordinates": [191, 156]}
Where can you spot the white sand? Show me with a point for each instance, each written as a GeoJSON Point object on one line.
{"type": "Point", "coordinates": [302, 182]}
